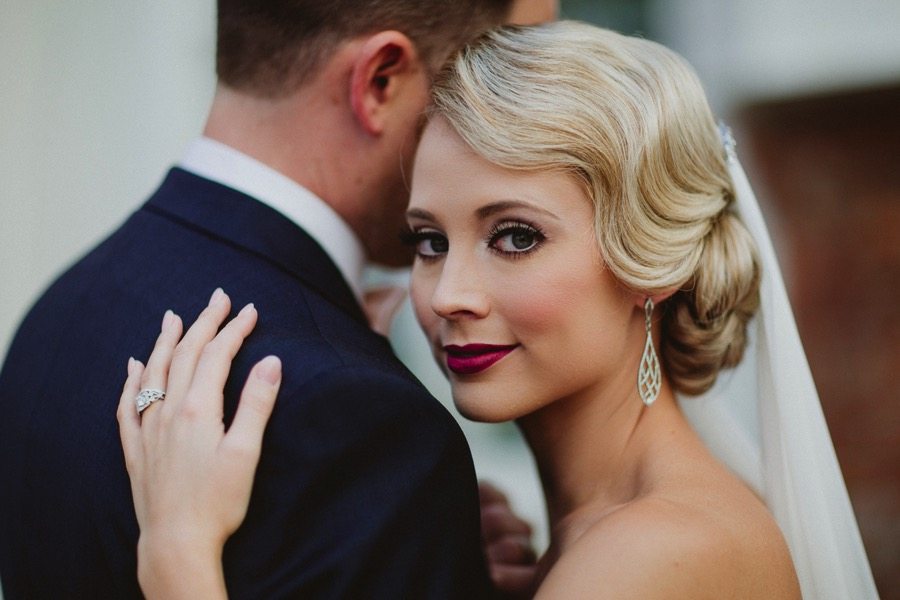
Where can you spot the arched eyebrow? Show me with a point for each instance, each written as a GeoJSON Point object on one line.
{"type": "Point", "coordinates": [418, 213]}
{"type": "Point", "coordinates": [501, 205]}
{"type": "Point", "coordinates": [485, 211]}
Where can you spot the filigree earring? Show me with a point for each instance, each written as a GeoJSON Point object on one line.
{"type": "Point", "coordinates": [649, 378]}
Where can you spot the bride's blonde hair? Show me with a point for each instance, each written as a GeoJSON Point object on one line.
{"type": "Point", "coordinates": [629, 119]}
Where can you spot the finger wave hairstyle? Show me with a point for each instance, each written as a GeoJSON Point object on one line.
{"type": "Point", "coordinates": [629, 119]}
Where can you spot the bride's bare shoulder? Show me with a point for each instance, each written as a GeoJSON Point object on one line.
{"type": "Point", "coordinates": [664, 548]}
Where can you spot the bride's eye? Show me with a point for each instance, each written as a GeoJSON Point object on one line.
{"type": "Point", "coordinates": [428, 243]}
{"type": "Point", "coordinates": [515, 238]}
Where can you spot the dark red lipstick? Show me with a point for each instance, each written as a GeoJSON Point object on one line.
{"type": "Point", "coordinates": [474, 358]}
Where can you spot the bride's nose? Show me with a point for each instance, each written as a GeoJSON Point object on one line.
{"type": "Point", "coordinates": [460, 291]}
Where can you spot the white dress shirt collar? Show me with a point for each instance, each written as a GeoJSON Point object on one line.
{"type": "Point", "coordinates": [223, 164]}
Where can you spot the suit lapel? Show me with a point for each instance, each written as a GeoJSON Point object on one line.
{"type": "Point", "coordinates": [242, 221]}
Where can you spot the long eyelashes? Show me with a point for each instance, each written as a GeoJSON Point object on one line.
{"type": "Point", "coordinates": [512, 239]}
{"type": "Point", "coordinates": [428, 243]}
{"type": "Point", "coordinates": [515, 239]}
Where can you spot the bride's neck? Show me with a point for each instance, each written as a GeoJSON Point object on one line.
{"type": "Point", "coordinates": [595, 454]}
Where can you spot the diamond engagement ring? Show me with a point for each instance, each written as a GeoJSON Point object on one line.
{"type": "Point", "coordinates": [147, 397]}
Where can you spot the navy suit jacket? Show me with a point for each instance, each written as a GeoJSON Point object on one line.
{"type": "Point", "coordinates": [365, 488]}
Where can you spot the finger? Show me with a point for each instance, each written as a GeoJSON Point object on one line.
{"type": "Point", "coordinates": [189, 349]}
{"type": "Point", "coordinates": [257, 401]}
{"type": "Point", "coordinates": [128, 417]}
{"type": "Point", "coordinates": [511, 550]}
{"type": "Point", "coordinates": [155, 375]}
{"type": "Point", "coordinates": [215, 362]}
{"type": "Point", "coordinates": [488, 493]}
{"type": "Point", "coordinates": [498, 520]}
{"type": "Point", "coordinates": [515, 581]}
{"type": "Point", "coordinates": [381, 306]}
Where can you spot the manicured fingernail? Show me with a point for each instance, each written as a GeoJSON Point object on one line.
{"type": "Point", "coordinates": [269, 370]}
{"type": "Point", "coordinates": [134, 366]}
{"type": "Point", "coordinates": [168, 319]}
{"type": "Point", "coordinates": [217, 296]}
{"type": "Point", "coordinates": [246, 309]}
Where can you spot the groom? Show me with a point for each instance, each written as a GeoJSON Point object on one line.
{"type": "Point", "coordinates": [366, 487]}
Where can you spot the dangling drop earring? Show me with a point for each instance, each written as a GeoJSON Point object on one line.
{"type": "Point", "coordinates": [649, 379]}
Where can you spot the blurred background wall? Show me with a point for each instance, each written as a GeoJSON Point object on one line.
{"type": "Point", "coordinates": [98, 98]}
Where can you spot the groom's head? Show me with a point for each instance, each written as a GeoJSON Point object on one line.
{"type": "Point", "coordinates": [331, 93]}
{"type": "Point", "coordinates": [272, 47]}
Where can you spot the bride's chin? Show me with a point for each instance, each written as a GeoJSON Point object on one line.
{"type": "Point", "coordinates": [481, 411]}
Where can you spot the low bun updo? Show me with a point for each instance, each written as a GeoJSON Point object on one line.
{"type": "Point", "coordinates": [629, 120]}
{"type": "Point", "coordinates": [705, 322]}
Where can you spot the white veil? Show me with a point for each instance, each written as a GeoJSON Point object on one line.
{"type": "Point", "coordinates": [763, 419]}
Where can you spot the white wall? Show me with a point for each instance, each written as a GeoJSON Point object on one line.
{"type": "Point", "coordinates": [750, 49]}
{"type": "Point", "coordinates": [96, 99]}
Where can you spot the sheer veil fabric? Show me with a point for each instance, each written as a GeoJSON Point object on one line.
{"type": "Point", "coordinates": [764, 421]}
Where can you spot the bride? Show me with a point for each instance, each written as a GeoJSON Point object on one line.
{"type": "Point", "coordinates": [589, 256]}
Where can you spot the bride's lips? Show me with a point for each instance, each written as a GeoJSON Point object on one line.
{"type": "Point", "coordinates": [473, 358]}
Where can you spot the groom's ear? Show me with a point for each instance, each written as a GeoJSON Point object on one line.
{"type": "Point", "coordinates": [387, 78]}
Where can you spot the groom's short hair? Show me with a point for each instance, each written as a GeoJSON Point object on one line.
{"type": "Point", "coordinates": [269, 48]}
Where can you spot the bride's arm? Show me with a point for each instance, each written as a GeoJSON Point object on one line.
{"type": "Point", "coordinates": [191, 479]}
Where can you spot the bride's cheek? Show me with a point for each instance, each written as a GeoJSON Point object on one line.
{"type": "Point", "coordinates": [544, 305]}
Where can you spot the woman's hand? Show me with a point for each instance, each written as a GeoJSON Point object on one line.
{"type": "Point", "coordinates": [191, 479]}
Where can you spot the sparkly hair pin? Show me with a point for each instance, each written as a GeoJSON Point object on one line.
{"type": "Point", "coordinates": [728, 142]}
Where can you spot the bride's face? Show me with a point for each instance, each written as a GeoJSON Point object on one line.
{"type": "Point", "coordinates": [508, 282]}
